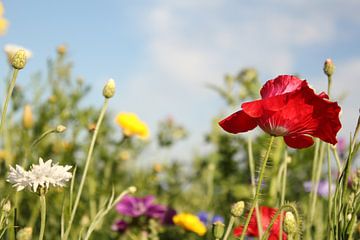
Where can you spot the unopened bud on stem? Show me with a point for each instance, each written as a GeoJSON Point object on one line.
{"type": "Point", "coordinates": [238, 209]}
{"type": "Point", "coordinates": [109, 89]}
{"type": "Point", "coordinates": [18, 61]}
{"type": "Point", "coordinates": [329, 67]}
{"type": "Point", "coordinates": [290, 226]}
{"type": "Point", "coordinates": [218, 229]}
{"type": "Point", "coordinates": [60, 129]}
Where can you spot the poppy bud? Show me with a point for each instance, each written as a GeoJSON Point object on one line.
{"type": "Point", "coordinates": [24, 234]}
{"type": "Point", "coordinates": [290, 226]}
{"type": "Point", "coordinates": [329, 67]}
{"type": "Point", "coordinates": [109, 89]}
{"type": "Point", "coordinates": [218, 229]}
{"type": "Point", "coordinates": [237, 209]}
{"type": "Point", "coordinates": [18, 61]}
{"type": "Point", "coordinates": [27, 117]}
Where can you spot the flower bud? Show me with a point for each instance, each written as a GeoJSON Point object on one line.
{"type": "Point", "coordinates": [7, 207]}
{"type": "Point", "coordinates": [109, 89]}
{"type": "Point", "coordinates": [18, 61]}
{"type": "Point", "coordinates": [237, 209]}
{"type": "Point", "coordinates": [60, 129]}
{"type": "Point", "coordinates": [27, 117]}
{"type": "Point", "coordinates": [132, 189]}
{"type": "Point", "coordinates": [290, 226]}
{"type": "Point", "coordinates": [218, 229]}
{"type": "Point", "coordinates": [24, 234]}
{"type": "Point", "coordinates": [61, 50]}
{"type": "Point", "coordinates": [329, 67]}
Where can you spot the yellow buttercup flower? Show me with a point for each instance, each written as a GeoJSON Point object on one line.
{"type": "Point", "coordinates": [132, 125]}
{"type": "Point", "coordinates": [190, 222]}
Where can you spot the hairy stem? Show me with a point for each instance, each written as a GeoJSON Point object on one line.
{"type": "Point", "coordinates": [261, 176]}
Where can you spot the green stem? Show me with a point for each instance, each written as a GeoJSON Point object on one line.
{"type": "Point", "coordinates": [43, 215]}
{"type": "Point", "coordinates": [283, 188]}
{"type": "Point", "coordinates": [261, 176]}
{"type": "Point", "coordinates": [336, 156]}
{"type": "Point", "coordinates": [229, 227]}
{"type": "Point", "coordinates": [87, 164]}
{"type": "Point", "coordinates": [252, 176]}
{"type": "Point", "coordinates": [317, 180]}
{"type": "Point", "coordinates": [330, 228]}
{"type": "Point", "coordinates": [329, 84]}
{"type": "Point", "coordinates": [7, 99]}
{"type": "Point", "coordinates": [42, 136]}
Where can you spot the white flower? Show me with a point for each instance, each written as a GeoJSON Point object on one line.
{"type": "Point", "coordinates": [19, 178]}
{"type": "Point", "coordinates": [11, 49]}
{"type": "Point", "coordinates": [43, 175]}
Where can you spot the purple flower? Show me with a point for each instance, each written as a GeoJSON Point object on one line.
{"type": "Point", "coordinates": [203, 216]}
{"type": "Point", "coordinates": [168, 217]}
{"type": "Point", "coordinates": [217, 218]}
{"type": "Point", "coordinates": [119, 226]}
{"type": "Point", "coordinates": [140, 206]}
{"type": "Point", "coordinates": [323, 189]}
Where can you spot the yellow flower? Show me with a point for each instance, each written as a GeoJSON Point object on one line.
{"type": "Point", "coordinates": [132, 125]}
{"type": "Point", "coordinates": [28, 121]}
{"type": "Point", "coordinates": [190, 222]}
{"type": "Point", "coordinates": [3, 22]}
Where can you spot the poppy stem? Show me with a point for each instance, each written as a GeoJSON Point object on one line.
{"type": "Point", "coordinates": [283, 189]}
{"type": "Point", "coordinates": [261, 176]}
{"type": "Point", "coordinates": [253, 185]}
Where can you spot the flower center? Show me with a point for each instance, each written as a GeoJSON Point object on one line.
{"type": "Point", "coordinates": [278, 131]}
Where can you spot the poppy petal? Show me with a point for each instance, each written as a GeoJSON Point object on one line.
{"type": "Point", "coordinates": [281, 85]}
{"type": "Point", "coordinates": [238, 122]}
{"type": "Point", "coordinates": [298, 141]}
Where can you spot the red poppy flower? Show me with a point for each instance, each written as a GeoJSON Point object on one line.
{"type": "Point", "coordinates": [288, 108]}
{"type": "Point", "coordinates": [266, 213]}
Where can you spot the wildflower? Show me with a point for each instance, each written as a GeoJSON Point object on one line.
{"type": "Point", "coordinates": [140, 206]}
{"type": "Point", "coordinates": [28, 121]}
{"type": "Point", "coordinates": [190, 222]}
{"type": "Point", "coordinates": [288, 108]}
{"type": "Point", "coordinates": [3, 22]}
{"type": "Point", "coordinates": [167, 219]}
{"type": "Point", "coordinates": [41, 175]}
{"type": "Point", "coordinates": [61, 49]}
{"type": "Point", "coordinates": [204, 217]}
{"type": "Point", "coordinates": [119, 226]}
{"type": "Point", "coordinates": [266, 213]}
{"type": "Point", "coordinates": [132, 125]}
{"type": "Point", "coordinates": [323, 189]}
{"type": "Point", "coordinates": [11, 49]}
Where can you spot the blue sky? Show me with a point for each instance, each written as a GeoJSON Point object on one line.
{"type": "Point", "coordinates": [162, 53]}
